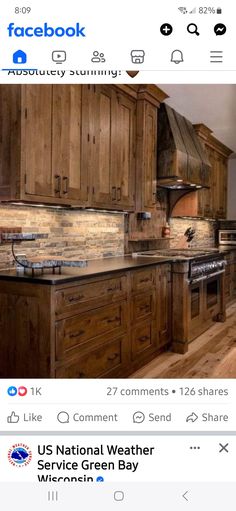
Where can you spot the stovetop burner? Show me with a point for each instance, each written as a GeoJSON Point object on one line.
{"type": "Point", "coordinates": [187, 253]}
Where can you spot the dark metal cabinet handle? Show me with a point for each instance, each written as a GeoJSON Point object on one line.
{"type": "Point", "coordinates": [119, 193]}
{"type": "Point", "coordinates": [113, 289]}
{"type": "Point", "coordinates": [112, 320]}
{"type": "Point", "coordinates": [113, 193]}
{"type": "Point", "coordinates": [145, 308]}
{"type": "Point", "coordinates": [72, 299]}
{"type": "Point", "coordinates": [113, 357]}
{"type": "Point", "coordinates": [142, 281]}
{"type": "Point", "coordinates": [144, 338]}
{"type": "Point", "coordinates": [76, 334]}
{"type": "Point", "coordinates": [65, 184]}
{"type": "Point", "coordinates": [58, 184]}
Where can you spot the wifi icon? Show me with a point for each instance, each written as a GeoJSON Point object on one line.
{"type": "Point", "coordinates": [183, 10]}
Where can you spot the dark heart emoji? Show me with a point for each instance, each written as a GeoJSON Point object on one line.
{"type": "Point", "coordinates": [132, 74]}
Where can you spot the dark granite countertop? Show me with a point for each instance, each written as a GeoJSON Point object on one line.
{"type": "Point", "coordinates": [95, 268]}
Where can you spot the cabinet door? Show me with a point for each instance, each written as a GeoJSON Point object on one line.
{"type": "Point", "coordinates": [196, 309]}
{"type": "Point", "coordinates": [150, 156]}
{"type": "Point", "coordinates": [102, 129]}
{"type": "Point", "coordinates": [164, 304]}
{"type": "Point", "coordinates": [123, 149]}
{"type": "Point", "coordinates": [70, 141]}
{"type": "Point", "coordinates": [219, 186]}
{"type": "Point", "coordinates": [205, 196]}
{"type": "Point", "coordinates": [223, 187]}
{"type": "Point", "coordinates": [146, 157]}
{"type": "Point", "coordinates": [37, 140]}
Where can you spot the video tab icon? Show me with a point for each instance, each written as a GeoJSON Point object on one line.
{"type": "Point", "coordinates": [59, 56]}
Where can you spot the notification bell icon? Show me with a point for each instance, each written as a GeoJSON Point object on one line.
{"type": "Point", "coordinates": [177, 56]}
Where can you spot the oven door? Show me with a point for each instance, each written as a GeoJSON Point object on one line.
{"type": "Point", "coordinates": [196, 308]}
{"type": "Point", "coordinates": [212, 289]}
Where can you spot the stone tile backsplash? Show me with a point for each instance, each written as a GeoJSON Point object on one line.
{"type": "Point", "coordinates": [205, 232]}
{"type": "Point", "coordinates": [71, 233]}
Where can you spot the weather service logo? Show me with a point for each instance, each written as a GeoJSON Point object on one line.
{"type": "Point", "coordinates": [19, 455]}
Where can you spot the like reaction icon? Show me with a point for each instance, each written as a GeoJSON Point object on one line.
{"type": "Point", "coordinates": [13, 418]}
{"type": "Point", "coordinates": [13, 391]}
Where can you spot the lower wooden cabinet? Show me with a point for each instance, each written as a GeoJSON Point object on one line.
{"type": "Point", "coordinates": [106, 360]}
{"type": "Point", "coordinates": [98, 327]}
{"type": "Point", "coordinates": [230, 276]}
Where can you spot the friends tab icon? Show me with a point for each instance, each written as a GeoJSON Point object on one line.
{"type": "Point", "coordinates": [98, 58]}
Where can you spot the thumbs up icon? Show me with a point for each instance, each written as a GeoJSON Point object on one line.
{"type": "Point", "coordinates": [13, 418]}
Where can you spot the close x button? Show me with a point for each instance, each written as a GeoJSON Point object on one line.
{"type": "Point", "coordinates": [223, 448]}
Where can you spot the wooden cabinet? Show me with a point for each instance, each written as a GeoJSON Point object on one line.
{"type": "Point", "coordinates": [164, 303]}
{"type": "Point", "coordinates": [212, 201]}
{"type": "Point", "coordinates": [146, 185]}
{"type": "Point", "coordinates": [220, 186]}
{"type": "Point", "coordinates": [85, 145]}
{"type": "Point", "coordinates": [230, 276]}
{"type": "Point", "coordinates": [148, 103]}
{"type": "Point", "coordinates": [56, 146]}
{"type": "Point", "coordinates": [105, 326]}
{"type": "Point", "coordinates": [48, 161]}
{"type": "Point", "coordinates": [37, 171]}
{"type": "Point", "coordinates": [113, 137]}
{"type": "Point", "coordinates": [70, 151]}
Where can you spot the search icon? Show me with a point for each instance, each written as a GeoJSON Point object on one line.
{"type": "Point", "coordinates": [192, 29]}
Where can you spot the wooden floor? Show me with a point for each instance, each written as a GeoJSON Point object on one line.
{"type": "Point", "coordinates": [212, 355]}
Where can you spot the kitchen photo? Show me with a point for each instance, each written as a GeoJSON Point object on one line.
{"type": "Point", "coordinates": [118, 231]}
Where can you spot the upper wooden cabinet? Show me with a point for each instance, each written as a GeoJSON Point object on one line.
{"type": "Point", "coordinates": [69, 144]}
{"type": "Point", "coordinates": [113, 131]}
{"type": "Point", "coordinates": [44, 147]}
{"type": "Point", "coordinates": [149, 99]}
{"type": "Point", "coordinates": [212, 202]}
{"type": "Point", "coordinates": [36, 141]}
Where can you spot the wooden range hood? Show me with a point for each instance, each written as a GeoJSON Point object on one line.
{"type": "Point", "coordinates": [183, 164]}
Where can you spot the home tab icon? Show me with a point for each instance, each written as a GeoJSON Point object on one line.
{"type": "Point", "coordinates": [19, 57]}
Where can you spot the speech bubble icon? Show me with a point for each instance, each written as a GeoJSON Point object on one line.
{"type": "Point", "coordinates": [63, 417]}
{"type": "Point", "coordinates": [138, 417]}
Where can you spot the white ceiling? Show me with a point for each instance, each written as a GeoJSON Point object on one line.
{"type": "Point", "coordinates": [213, 105]}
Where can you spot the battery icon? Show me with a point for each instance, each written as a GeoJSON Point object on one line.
{"type": "Point", "coordinates": [219, 10]}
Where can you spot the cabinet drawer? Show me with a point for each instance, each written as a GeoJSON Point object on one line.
{"type": "Point", "coordinates": [104, 359]}
{"type": "Point", "coordinates": [144, 339]}
{"type": "Point", "coordinates": [72, 333]}
{"type": "Point", "coordinates": [143, 306]}
{"type": "Point", "coordinates": [90, 295]}
{"type": "Point", "coordinates": [143, 280]}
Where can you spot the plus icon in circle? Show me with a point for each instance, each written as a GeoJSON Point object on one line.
{"type": "Point", "coordinates": [166, 29]}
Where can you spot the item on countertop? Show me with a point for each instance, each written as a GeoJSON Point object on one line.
{"type": "Point", "coordinates": [43, 262]}
{"type": "Point", "coordinates": [14, 237]}
{"type": "Point", "coordinates": [166, 231]}
{"type": "Point", "coordinates": [189, 234]}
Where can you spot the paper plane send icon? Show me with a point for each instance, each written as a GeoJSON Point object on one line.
{"type": "Point", "coordinates": [19, 57]}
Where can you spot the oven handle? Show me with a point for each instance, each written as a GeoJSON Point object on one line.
{"type": "Point", "coordinates": [206, 277]}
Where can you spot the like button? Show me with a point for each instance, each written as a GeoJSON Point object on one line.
{"type": "Point", "coordinates": [13, 418]}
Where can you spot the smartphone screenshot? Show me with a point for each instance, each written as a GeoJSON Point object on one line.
{"type": "Point", "coordinates": [117, 256]}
